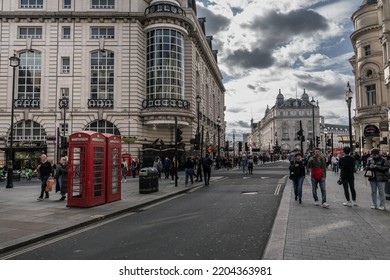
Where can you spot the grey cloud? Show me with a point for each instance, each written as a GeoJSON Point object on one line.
{"type": "Point", "coordinates": [214, 23]}
{"type": "Point", "coordinates": [296, 22]}
{"type": "Point", "coordinates": [333, 91]}
{"type": "Point", "coordinates": [257, 58]}
{"type": "Point", "coordinates": [257, 88]}
{"type": "Point", "coordinates": [235, 110]}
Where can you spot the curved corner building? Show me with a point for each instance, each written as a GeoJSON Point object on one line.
{"type": "Point", "coordinates": [117, 66]}
{"type": "Point", "coordinates": [370, 63]}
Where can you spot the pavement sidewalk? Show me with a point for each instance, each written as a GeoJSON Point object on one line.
{"type": "Point", "coordinates": [24, 220]}
{"type": "Point", "coordinates": [308, 232]}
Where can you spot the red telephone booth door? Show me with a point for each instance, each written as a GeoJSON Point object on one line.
{"type": "Point", "coordinates": [86, 173]}
{"type": "Point", "coordinates": [127, 158]}
{"type": "Point", "coordinates": [113, 168]}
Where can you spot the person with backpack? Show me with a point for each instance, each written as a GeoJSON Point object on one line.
{"type": "Point", "coordinates": [297, 175]}
{"type": "Point", "coordinates": [317, 164]}
{"type": "Point", "coordinates": [206, 164]}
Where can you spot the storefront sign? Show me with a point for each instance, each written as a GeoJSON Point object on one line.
{"type": "Point", "coordinates": [28, 144]}
{"type": "Point", "coordinates": [384, 126]}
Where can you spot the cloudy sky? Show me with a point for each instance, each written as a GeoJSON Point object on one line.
{"type": "Point", "coordinates": [291, 45]}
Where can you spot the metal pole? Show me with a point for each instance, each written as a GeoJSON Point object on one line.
{"type": "Point", "coordinates": [331, 135]}
{"type": "Point", "coordinates": [10, 184]}
{"type": "Point", "coordinates": [350, 124]}
{"type": "Point", "coordinates": [300, 139]}
{"type": "Point", "coordinates": [219, 148]}
{"type": "Point", "coordinates": [314, 130]}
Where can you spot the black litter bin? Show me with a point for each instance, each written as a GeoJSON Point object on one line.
{"type": "Point", "coordinates": [148, 180]}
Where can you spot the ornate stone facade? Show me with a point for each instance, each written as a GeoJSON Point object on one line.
{"type": "Point", "coordinates": [123, 67]}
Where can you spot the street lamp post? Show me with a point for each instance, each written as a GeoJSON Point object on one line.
{"type": "Point", "coordinates": [313, 102]}
{"type": "Point", "coordinates": [14, 62]}
{"type": "Point", "coordinates": [64, 104]}
{"type": "Point", "coordinates": [219, 131]}
{"type": "Point", "coordinates": [348, 99]}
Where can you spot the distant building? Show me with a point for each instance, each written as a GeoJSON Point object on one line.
{"type": "Point", "coordinates": [277, 130]}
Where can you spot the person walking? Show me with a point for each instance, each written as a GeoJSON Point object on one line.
{"type": "Point", "coordinates": [317, 164]}
{"type": "Point", "coordinates": [158, 165]}
{"type": "Point", "coordinates": [347, 166]}
{"type": "Point", "coordinates": [379, 167]}
{"type": "Point", "coordinates": [250, 165]}
{"type": "Point", "coordinates": [244, 162]}
{"type": "Point", "coordinates": [206, 164]}
{"type": "Point", "coordinates": [134, 167]}
{"type": "Point", "coordinates": [62, 176]}
{"type": "Point", "coordinates": [174, 168]}
{"type": "Point", "coordinates": [45, 171]}
{"type": "Point", "coordinates": [124, 168]}
{"type": "Point", "coordinates": [189, 170]}
{"type": "Point", "coordinates": [297, 175]}
{"type": "Point", "coordinates": [167, 167]}
{"type": "Point", "coordinates": [198, 166]}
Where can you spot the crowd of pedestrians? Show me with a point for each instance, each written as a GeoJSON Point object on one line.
{"type": "Point", "coordinates": [375, 166]}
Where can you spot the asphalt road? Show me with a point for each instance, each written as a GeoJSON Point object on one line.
{"type": "Point", "coordinates": [230, 219]}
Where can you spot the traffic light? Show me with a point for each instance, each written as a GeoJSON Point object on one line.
{"type": "Point", "coordinates": [63, 142]}
{"type": "Point", "coordinates": [301, 137]}
{"type": "Point", "coordinates": [246, 147]}
{"type": "Point", "coordinates": [195, 146]}
{"type": "Point", "coordinates": [179, 135]}
{"type": "Point", "coordinates": [227, 146]}
{"type": "Point", "coordinates": [329, 142]}
{"type": "Point", "coordinates": [240, 146]}
{"type": "Point", "coordinates": [357, 145]}
{"type": "Point", "coordinates": [363, 140]}
{"type": "Point", "coordinates": [318, 141]}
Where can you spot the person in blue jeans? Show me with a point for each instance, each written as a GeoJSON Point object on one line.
{"type": "Point", "coordinates": [189, 170]}
{"type": "Point", "coordinates": [379, 166]}
{"type": "Point", "coordinates": [297, 175]}
{"type": "Point", "coordinates": [317, 164]}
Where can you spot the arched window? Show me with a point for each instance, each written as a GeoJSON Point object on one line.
{"type": "Point", "coordinates": [102, 75]}
{"type": "Point", "coordinates": [29, 75]}
{"type": "Point", "coordinates": [165, 64]}
{"type": "Point", "coordinates": [103, 126]}
{"type": "Point", "coordinates": [28, 130]}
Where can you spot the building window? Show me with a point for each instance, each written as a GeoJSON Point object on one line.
{"type": "Point", "coordinates": [102, 32]}
{"type": "Point", "coordinates": [165, 64]}
{"type": "Point", "coordinates": [29, 130]}
{"type": "Point", "coordinates": [103, 126]}
{"type": "Point", "coordinates": [367, 50]}
{"type": "Point", "coordinates": [31, 4]}
{"type": "Point", "coordinates": [103, 4]}
{"type": "Point", "coordinates": [371, 95]}
{"type": "Point", "coordinates": [102, 75]}
{"type": "Point", "coordinates": [65, 32]}
{"type": "Point", "coordinates": [67, 4]}
{"type": "Point", "coordinates": [65, 63]}
{"type": "Point", "coordinates": [29, 75]}
{"type": "Point", "coordinates": [30, 32]}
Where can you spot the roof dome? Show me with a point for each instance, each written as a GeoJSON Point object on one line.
{"type": "Point", "coordinates": [305, 96]}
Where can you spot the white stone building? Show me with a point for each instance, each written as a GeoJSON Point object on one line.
{"type": "Point", "coordinates": [280, 125]}
{"type": "Point", "coordinates": [372, 76]}
{"type": "Point", "coordinates": [116, 66]}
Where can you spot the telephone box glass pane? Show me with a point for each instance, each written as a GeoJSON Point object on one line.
{"type": "Point", "coordinates": [115, 171]}
{"type": "Point", "coordinates": [78, 169]}
{"type": "Point", "coordinates": [98, 159]}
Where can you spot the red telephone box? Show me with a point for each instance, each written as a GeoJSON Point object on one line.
{"type": "Point", "coordinates": [127, 158]}
{"type": "Point", "coordinates": [87, 165]}
{"type": "Point", "coordinates": [113, 168]}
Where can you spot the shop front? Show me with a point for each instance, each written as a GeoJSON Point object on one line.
{"type": "Point", "coordinates": [26, 154]}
